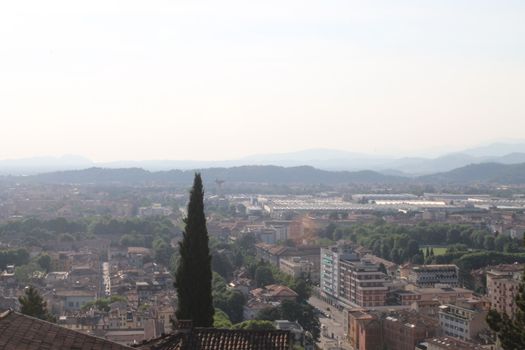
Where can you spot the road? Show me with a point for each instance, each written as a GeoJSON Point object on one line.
{"type": "Point", "coordinates": [332, 332]}
{"type": "Point", "coordinates": [106, 280]}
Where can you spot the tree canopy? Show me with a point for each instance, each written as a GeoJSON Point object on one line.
{"type": "Point", "coordinates": [32, 304]}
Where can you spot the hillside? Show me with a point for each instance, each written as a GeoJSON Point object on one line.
{"type": "Point", "coordinates": [481, 173]}
{"type": "Point", "coordinates": [494, 173]}
{"type": "Point", "coordinates": [244, 174]}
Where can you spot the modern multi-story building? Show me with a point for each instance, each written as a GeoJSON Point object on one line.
{"type": "Point", "coordinates": [465, 319]}
{"type": "Point", "coordinates": [329, 272]}
{"type": "Point", "coordinates": [349, 280]}
{"type": "Point", "coordinates": [361, 283]}
{"type": "Point", "coordinates": [432, 275]}
{"type": "Point", "coordinates": [502, 287]}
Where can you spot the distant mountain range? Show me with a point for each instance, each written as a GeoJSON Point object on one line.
{"type": "Point", "coordinates": [511, 174]}
{"type": "Point", "coordinates": [260, 174]}
{"type": "Point", "coordinates": [325, 159]}
{"type": "Point", "coordinates": [484, 173]}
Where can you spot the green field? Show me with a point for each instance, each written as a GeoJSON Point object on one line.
{"type": "Point", "coordinates": [437, 250]}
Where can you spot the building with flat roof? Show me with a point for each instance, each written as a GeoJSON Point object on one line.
{"type": "Point", "coordinates": [502, 287]}
{"type": "Point", "coordinates": [448, 343]}
{"type": "Point", "coordinates": [362, 283]}
{"type": "Point", "coordinates": [329, 273]}
{"type": "Point", "coordinates": [463, 320]}
{"type": "Point", "coordinates": [432, 275]}
{"type": "Point", "coordinates": [298, 267]}
{"type": "Point", "coordinates": [400, 330]}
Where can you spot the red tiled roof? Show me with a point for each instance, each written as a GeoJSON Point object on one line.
{"type": "Point", "coordinates": [21, 332]}
{"type": "Point", "coordinates": [280, 290]}
{"type": "Point", "coordinates": [221, 339]}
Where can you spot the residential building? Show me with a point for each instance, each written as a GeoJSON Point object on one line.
{"type": "Point", "coordinates": [465, 319]}
{"type": "Point", "coordinates": [274, 253]}
{"type": "Point", "coordinates": [330, 274]}
{"type": "Point", "coordinates": [403, 330]}
{"type": "Point", "coordinates": [274, 293]}
{"type": "Point", "coordinates": [432, 275]}
{"type": "Point", "coordinates": [299, 336]}
{"type": "Point", "coordinates": [400, 330]}
{"type": "Point", "coordinates": [74, 299]}
{"type": "Point", "coordinates": [298, 267]}
{"type": "Point", "coordinates": [363, 330]}
{"type": "Point", "coordinates": [361, 283]}
{"type": "Point", "coordinates": [449, 343]}
{"type": "Point", "coordinates": [412, 293]}
{"type": "Point", "coordinates": [502, 287]}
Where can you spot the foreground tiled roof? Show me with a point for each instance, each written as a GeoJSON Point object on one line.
{"type": "Point", "coordinates": [221, 339]}
{"type": "Point", "coordinates": [20, 332]}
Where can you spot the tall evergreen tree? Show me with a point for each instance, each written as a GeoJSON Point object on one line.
{"type": "Point", "coordinates": [193, 276]}
{"type": "Point", "coordinates": [32, 304]}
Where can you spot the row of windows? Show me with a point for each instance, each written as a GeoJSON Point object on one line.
{"type": "Point", "coordinates": [454, 319]}
{"type": "Point", "coordinates": [447, 325]}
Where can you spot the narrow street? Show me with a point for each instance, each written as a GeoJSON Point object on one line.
{"type": "Point", "coordinates": [332, 331]}
{"type": "Point", "coordinates": [106, 280]}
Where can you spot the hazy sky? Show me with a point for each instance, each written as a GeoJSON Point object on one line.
{"type": "Point", "coordinates": [221, 79]}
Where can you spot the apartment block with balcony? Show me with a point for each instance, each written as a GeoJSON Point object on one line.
{"type": "Point", "coordinates": [502, 287]}
{"type": "Point", "coordinates": [361, 283]}
{"type": "Point", "coordinates": [432, 275]}
{"type": "Point", "coordinates": [329, 271]}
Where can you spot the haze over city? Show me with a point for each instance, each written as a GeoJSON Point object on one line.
{"type": "Point", "coordinates": [243, 175]}
{"type": "Point", "coordinates": [119, 80]}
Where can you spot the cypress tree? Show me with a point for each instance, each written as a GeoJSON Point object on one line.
{"type": "Point", "coordinates": [193, 276]}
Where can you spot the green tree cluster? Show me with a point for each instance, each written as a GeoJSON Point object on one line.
{"type": "Point", "coordinates": [221, 319]}
{"type": "Point", "coordinates": [255, 325]}
{"type": "Point", "coordinates": [302, 313]}
{"type": "Point", "coordinates": [44, 261]}
{"type": "Point", "coordinates": [230, 301]}
{"type": "Point", "coordinates": [103, 304]}
{"type": "Point", "coordinates": [13, 257]}
{"type": "Point", "coordinates": [400, 243]}
{"type": "Point", "coordinates": [32, 304]}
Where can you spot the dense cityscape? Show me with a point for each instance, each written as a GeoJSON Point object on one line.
{"type": "Point", "coordinates": [337, 269]}
{"type": "Point", "coordinates": [262, 175]}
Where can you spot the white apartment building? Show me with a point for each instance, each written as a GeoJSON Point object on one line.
{"type": "Point", "coordinates": [330, 266]}
{"type": "Point", "coordinates": [464, 320]}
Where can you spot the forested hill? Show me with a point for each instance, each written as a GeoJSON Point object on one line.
{"type": "Point", "coordinates": [244, 174]}
{"type": "Point", "coordinates": [267, 174]}
{"type": "Point", "coordinates": [481, 173]}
